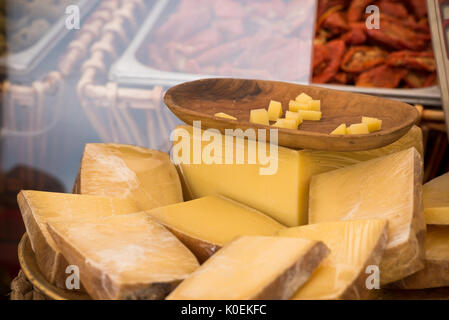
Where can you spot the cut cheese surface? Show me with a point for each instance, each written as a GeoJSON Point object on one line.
{"type": "Point", "coordinates": [206, 224]}
{"type": "Point", "coordinates": [340, 130]}
{"type": "Point", "coordinates": [142, 175]}
{"type": "Point", "coordinates": [282, 195]}
{"type": "Point", "coordinates": [38, 208]}
{"type": "Point", "coordinates": [225, 116]}
{"type": "Point", "coordinates": [436, 200]}
{"type": "Point", "coordinates": [384, 188]}
{"type": "Point", "coordinates": [254, 267]}
{"type": "Point", "coordinates": [125, 256]}
{"type": "Point", "coordinates": [353, 245]}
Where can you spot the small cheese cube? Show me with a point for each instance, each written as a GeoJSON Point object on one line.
{"type": "Point", "coordinates": [303, 98]}
{"type": "Point", "coordinates": [310, 115]}
{"type": "Point", "coordinates": [295, 106]}
{"type": "Point", "coordinates": [359, 128]}
{"type": "Point", "coordinates": [274, 110]}
{"type": "Point", "coordinates": [373, 124]}
{"type": "Point", "coordinates": [341, 129]}
{"type": "Point", "coordinates": [259, 116]}
{"type": "Point", "coordinates": [286, 124]}
{"type": "Point", "coordinates": [225, 116]}
{"type": "Point", "coordinates": [315, 105]}
{"type": "Point", "coordinates": [294, 116]}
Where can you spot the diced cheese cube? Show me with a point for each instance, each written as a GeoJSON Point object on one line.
{"type": "Point", "coordinates": [310, 115]}
{"type": "Point", "coordinates": [315, 105]}
{"type": "Point", "coordinates": [286, 124]}
{"type": "Point", "coordinates": [340, 130]}
{"type": "Point", "coordinates": [295, 106]}
{"type": "Point", "coordinates": [294, 116]}
{"type": "Point", "coordinates": [358, 128]}
{"type": "Point", "coordinates": [259, 116]}
{"type": "Point", "coordinates": [274, 110]}
{"type": "Point", "coordinates": [372, 123]}
{"type": "Point", "coordinates": [303, 97]}
{"type": "Point", "coordinates": [225, 116]}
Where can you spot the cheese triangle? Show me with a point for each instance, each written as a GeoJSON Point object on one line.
{"type": "Point", "coordinates": [436, 200]}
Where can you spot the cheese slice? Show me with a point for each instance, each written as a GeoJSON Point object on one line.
{"type": "Point", "coordinates": [436, 200]}
{"type": "Point", "coordinates": [354, 246]}
{"type": "Point", "coordinates": [436, 271]}
{"type": "Point", "coordinates": [282, 195]}
{"type": "Point", "coordinates": [124, 256]}
{"type": "Point", "coordinates": [385, 188]}
{"type": "Point", "coordinates": [206, 224]}
{"type": "Point", "coordinates": [253, 267]}
{"type": "Point", "coordinates": [38, 208]}
{"type": "Point", "coordinates": [142, 175]}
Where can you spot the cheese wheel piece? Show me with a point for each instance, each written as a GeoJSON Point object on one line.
{"type": "Point", "coordinates": [125, 256]}
{"type": "Point", "coordinates": [436, 200]}
{"type": "Point", "coordinates": [354, 246]}
{"type": "Point", "coordinates": [38, 208]}
{"type": "Point", "coordinates": [142, 175]}
{"type": "Point", "coordinates": [204, 225]}
{"type": "Point", "coordinates": [384, 188]}
{"type": "Point", "coordinates": [252, 268]}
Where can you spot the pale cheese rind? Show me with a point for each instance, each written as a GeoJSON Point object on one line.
{"type": "Point", "coordinates": [142, 175]}
{"type": "Point", "coordinates": [38, 208]}
{"type": "Point", "coordinates": [124, 257]}
{"type": "Point", "coordinates": [206, 224]}
{"type": "Point", "coordinates": [254, 267]}
{"type": "Point", "coordinates": [354, 246]}
{"type": "Point", "coordinates": [385, 188]}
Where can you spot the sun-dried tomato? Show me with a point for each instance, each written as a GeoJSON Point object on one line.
{"type": "Point", "coordinates": [320, 54]}
{"type": "Point", "coordinates": [362, 58]}
{"type": "Point", "coordinates": [381, 77]}
{"type": "Point", "coordinates": [336, 23]}
{"type": "Point", "coordinates": [394, 9]}
{"type": "Point", "coordinates": [356, 35]}
{"type": "Point", "coordinates": [332, 63]}
{"type": "Point", "coordinates": [414, 60]}
{"type": "Point", "coordinates": [357, 9]}
{"type": "Point", "coordinates": [419, 8]}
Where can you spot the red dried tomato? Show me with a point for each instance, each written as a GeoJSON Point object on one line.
{"type": "Point", "coordinates": [381, 77]}
{"type": "Point", "coordinates": [362, 58]}
{"type": "Point", "coordinates": [337, 48]}
{"type": "Point", "coordinates": [414, 60]}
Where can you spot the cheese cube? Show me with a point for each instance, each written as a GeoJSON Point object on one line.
{"type": "Point", "coordinates": [310, 115]}
{"type": "Point", "coordinates": [254, 268]}
{"type": "Point", "coordinates": [353, 245]}
{"type": "Point", "coordinates": [206, 224]}
{"type": "Point", "coordinates": [259, 116]}
{"type": "Point", "coordinates": [372, 123]}
{"type": "Point", "coordinates": [286, 124]}
{"type": "Point", "coordinates": [436, 200]}
{"type": "Point", "coordinates": [303, 97]}
{"type": "Point", "coordinates": [274, 110]}
{"type": "Point", "coordinates": [384, 188]}
{"type": "Point", "coordinates": [315, 105]}
{"type": "Point", "coordinates": [340, 130]}
{"type": "Point", "coordinates": [295, 106]}
{"type": "Point", "coordinates": [294, 116]}
{"type": "Point", "coordinates": [359, 128]}
{"type": "Point", "coordinates": [225, 116]}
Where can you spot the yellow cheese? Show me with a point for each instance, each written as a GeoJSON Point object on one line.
{"type": "Point", "coordinates": [144, 176]}
{"type": "Point", "coordinates": [204, 225]}
{"type": "Point", "coordinates": [385, 188]}
{"type": "Point", "coordinates": [253, 267]}
{"type": "Point", "coordinates": [436, 200]}
{"type": "Point", "coordinates": [38, 208]}
{"type": "Point", "coordinates": [310, 115]}
{"type": "Point", "coordinates": [125, 256]}
{"type": "Point", "coordinates": [354, 246]}
{"type": "Point", "coordinates": [436, 271]}
{"type": "Point", "coordinates": [341, 129]}
{"type": "Point", "coordinates": [373, 124]}
{"type": "Point", "coordinates": [295, 116]}
{"type": "Point", "coordinates": [286, 124]}
{"type": "Point", "coordinates": [283, 195]}
{"type": "Point", "coordinates": [303, 97]}
{"type": "Point", "coordinates": [358, 128]}
{"type": "Point", "coordinates": [315, 105]}
{"type": "Point", "coordinates": [274, 110]}
{"type": "Point", "coordinates": [295, 106]}
{"type": "Point", "coordinates": [259, 116]}
{"type": "Point", "coordinates": [225, 116]}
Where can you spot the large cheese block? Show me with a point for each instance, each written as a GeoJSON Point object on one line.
{"type": "Point", "coordinates": [142, 175]}
{"type": "Point", "coordinates": [436, 271]}
{"type": "Point", "coordinates": [384, 188]}
{"type": "Point", "coordinates": [253, 267]}
{"type": "Point", "coordinates": [124, 256]}
{"type": "Point", "coordinates": [436, 200]}
{"type": "Point", "coordinates": [38, 208]}
{"type": "Point", "coordinates": [354, 246]}
{"type": "Point", "coordinates": [283, 194]}
{"type": "Point", "coordinates": [206, 224]}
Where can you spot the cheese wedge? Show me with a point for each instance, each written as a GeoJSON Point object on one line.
{"type": "Point", "coordinates": [358, 128]}
{"type": "Point", "coordinates": [142, 175]}
{"type": "Point", "coordinates": [286, 124]}
{"type": "Point", "coordinates": [252, 268]}
{"type": "Point", "coordinates": [125, 256]}
{"type": "Point", "coordinates": [436, 271]}
{"type": "Point", "coordinates": [274, 110]}
{"type": "Point", "coordinates": [340, 130]}
{"type": "Point", "coordinates": [373, 124]}
{"type": "Point", "coordinates": [354, 246]}
{"type": "Point", "coordinates": [384, 188]}
{"type": "Point", "coordinates": [282, 195]}
{"type": "Point", "coordinates": [38, 208]}
{"type": "Point", "coordinates": [225, 116]}
{"type": "Point", "coordinates": [204, 225]}
{"type": "Point", "coordinates": [436, 200]}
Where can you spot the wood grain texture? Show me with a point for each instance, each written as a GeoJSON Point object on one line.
{"type": "Point", "coordinates": [201, 99]}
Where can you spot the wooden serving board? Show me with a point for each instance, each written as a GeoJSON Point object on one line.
{"type": "Point", "coordinates": [201, 99]}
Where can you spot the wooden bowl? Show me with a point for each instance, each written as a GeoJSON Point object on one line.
{"type": "Point", "coordinates": [201, 99]}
